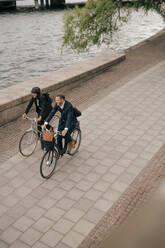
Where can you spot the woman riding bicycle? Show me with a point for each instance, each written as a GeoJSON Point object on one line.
{"type": "Point", "coordinates": [43, 104]}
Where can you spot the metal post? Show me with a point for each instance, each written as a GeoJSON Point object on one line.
{"type": "Point", "coordinates": [47, 4]}
{"type": "Point", "coordinates": [42, 4]}
{"type": "Point", "coordinates": [36, 4]}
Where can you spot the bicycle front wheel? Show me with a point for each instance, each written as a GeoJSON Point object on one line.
{"type": "Point", "coordinates": [76, 137]}
{"type": "Point", "coordinates": [48, 164]}
{"type": "Point", "coordinates": [28, 143]}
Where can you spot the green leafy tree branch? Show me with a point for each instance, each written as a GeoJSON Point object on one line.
{"type": "Point", "coordinates": [96, 23]}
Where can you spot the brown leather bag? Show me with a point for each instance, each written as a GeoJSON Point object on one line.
{"type": "Point", "coordinates": [48, 136]}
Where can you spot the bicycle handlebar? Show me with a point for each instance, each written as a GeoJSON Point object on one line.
{"type": "Point", "coordinates": [30, 118]}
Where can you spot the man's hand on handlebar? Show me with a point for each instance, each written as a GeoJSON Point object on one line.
{"type": "Point", "coordinates": [39, 119]}
{"type": "Point", "coordinates": [64, 132]}
{"type": "Point", "coordinates": [43, 126]}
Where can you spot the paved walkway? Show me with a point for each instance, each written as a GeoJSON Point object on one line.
{"type": "Point", "coordinates": [121, 133]}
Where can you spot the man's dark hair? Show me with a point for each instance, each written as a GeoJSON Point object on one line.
{"type": "Point", "coordinates": [61, 96]}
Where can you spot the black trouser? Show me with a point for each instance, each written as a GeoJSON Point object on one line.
{"type": "Point", "coordinates": [40, 123]}
{"type": "Point", "coordinates": [67, 139]}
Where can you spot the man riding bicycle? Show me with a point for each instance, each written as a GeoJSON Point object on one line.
{"type": "Point", "coordinates": [43, 104]}
{"type": "Point", "coordinates": [67, 123]}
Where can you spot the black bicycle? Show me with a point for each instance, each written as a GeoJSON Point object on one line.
{"type": "Point", "coordinates": [52, 155]}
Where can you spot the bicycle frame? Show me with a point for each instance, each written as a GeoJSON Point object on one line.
{"type": "Point", "coordinates": [33, 126]}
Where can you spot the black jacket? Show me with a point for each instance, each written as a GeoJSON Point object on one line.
{"type": "Point", "coordinates": [43, 106]}
{"type": "Point", "coordinates": [67, 119]}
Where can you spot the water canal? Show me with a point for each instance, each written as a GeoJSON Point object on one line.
{"type": "Point", "coordinates": [30, 41]}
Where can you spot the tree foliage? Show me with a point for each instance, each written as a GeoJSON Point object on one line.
{"type": "Point", "coordinates": [96, 23]}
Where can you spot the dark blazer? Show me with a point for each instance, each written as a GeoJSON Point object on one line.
{"type": "Point", "coordinates": [43, 106]}
{"type": "Point", "coordinates": [67, 119]}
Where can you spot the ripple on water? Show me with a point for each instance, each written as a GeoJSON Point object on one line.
{"type": "Point", "coordinates": [30, 42]}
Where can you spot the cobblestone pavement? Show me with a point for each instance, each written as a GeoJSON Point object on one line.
{"type": "Point", "coordinates": [139, 59]}
{"type": "Point", "coordinates": [121, 133]}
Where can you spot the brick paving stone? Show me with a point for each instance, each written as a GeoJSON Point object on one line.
{"type": "Point", "coordinates": [124, 162]}
{"type": "Point", "coordinates": [43, 225]}
{"type": "Point", "coordinates": [51, 238]}
{"type": "Point", "coordinates": [101, 186]}
{"type": "Point", "coordinates": [22, 191]}
{"type": "Point", "coordinates": [116, 169]}
{"type": "Point", "coordinates": [100, 169]}
{"type": "Point", "coordinates": [127, 178]}
{"type": "Point", "coordinates": [49, 185]}
{"type": "Point", "coordinates": [30, 236]}
{"type": "Point", "coordinates": [5, 221]}
{"type": "Point", "coordinates": [39, 244]}
{"type": "Point", "coordinates": [119, 186]}
{"type": "Point", "coordinates": [23, 223]}
{"type": "Point", "coordinates": [3, 181]}
{"type": "Point", "coordinates": [93, 194]}
{"type": "Point", "coordinates": [74, 214]}
{"type": "Point", "coordinates": [35, 212]}
{"type": "Point", "coordinates": [111, 195]}
{"type": "Point", "coordinates": [63, 226]}
{"type": "Point", "coordinates": [73, 239]}
{"type": "Point", "coordinates": [61, 245]}
{"type": "Point", "coordinates": [3, 244]}
{"type": "Point", "coordinates": [33, 183]}
{"type": "Point", "coordinates": [6, 190]}
{"type": "Point", "coordinates": [67, 185]}
{"type": "Point", "coordinates": [65, 203]}
{"type": "Point", "coordinates": [107, 162]}
{"type": "Point", "coordinates": [94, 215]}
{"type": "Point", "coordinates": [10, 235]}
{"type": "Point", "coordinates": [130, 155]}
{"type": "Point", "coordinates": [134, 170]}
{"type": "Point", "coordinates": [122, 149]}
{"type": "Point", "coordinates": [17, 182]}
{"type": "Point", "coordinates": [84, 204]}
{"type": "Point", "coordinates": [54, 213]}
{"type": "Point", "coordinates": [93, 177]}
{"type": "Point", "coordinates": [99, 155]}
{"type": "Point", "coordinates": [57, 193]}
{"type": "Point", "coordinates": [17, 211]}
{"type": "Point", "coordinates": [146, 155]}
{"type": "Point", "coordinates": [103, 205]}
{"type": "Point", "coordinates": [19, 244]}
{"type": "Point", "coordinates": [27, 174]}
{"type": "Point", "coordinates": [109, 177]}
{"type": "Point", "coordinates": [92, 162]}
{"type": "Point", "coordinates": [84, 227]}
{"type": "Point", "coordinates": [11, 200]}
{"type": "Point", "coordinates": [28, 201]}
{"type": "Point", "coordinates": [85, 169]}
{"type": "Point", "coordinates": [39, 192]}
{"type": "Point", "coordinates": [46, 202]}
{"type": "Point", "coordinates": [77, 161]}
{"type": "Point", "coordinates": [84, 185]}
{"type": "Point", "coordinates": [75, 194]}
{"type": "Point", "coordinates": [11, 174]}
{"type": "Point", "coordinates": [76, 176]}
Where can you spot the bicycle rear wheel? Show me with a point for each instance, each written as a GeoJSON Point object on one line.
{"type": "Point", "coordinates": [28, 143]}
{"type": "Point", "coordinates": [48, 164]}
{"type": "Point", "coordinates": [76, 136]}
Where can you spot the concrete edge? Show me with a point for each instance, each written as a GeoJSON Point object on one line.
{"type": "Point", "coordinates": [13, 99]}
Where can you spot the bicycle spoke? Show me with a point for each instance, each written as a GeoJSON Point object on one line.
{"type": "Point", "coordinates": [48, 164]}
{"type": "Point", "coordinates": [28, 143]}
